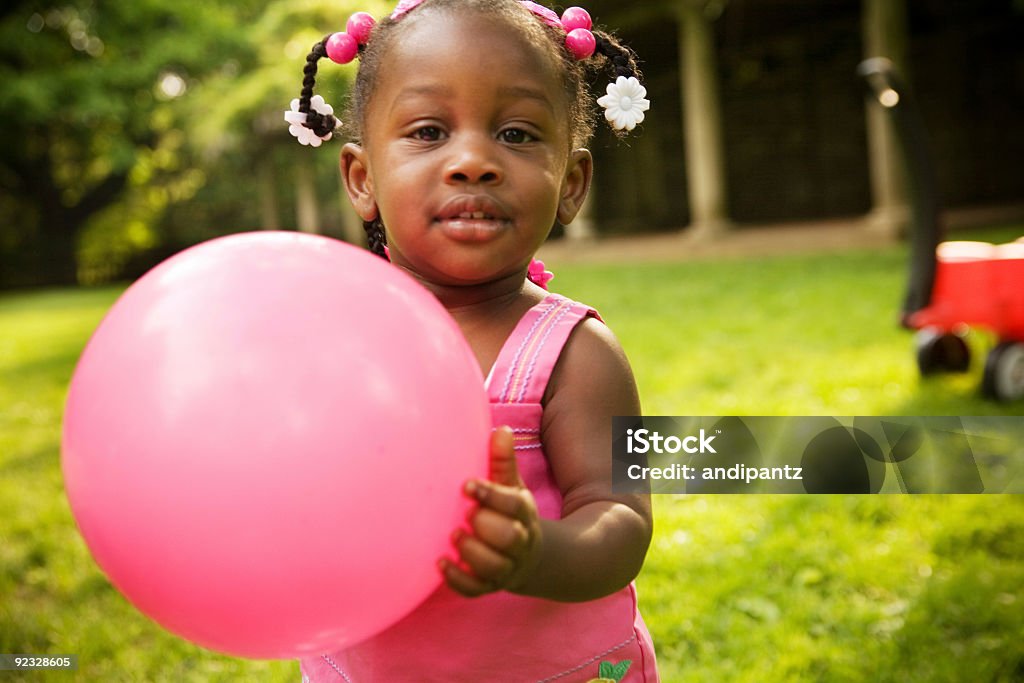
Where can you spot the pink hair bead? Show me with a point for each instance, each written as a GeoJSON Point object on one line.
{"type": "Point", "coordinates": [359, 26]}
{"type": "Point", "coordinates": [342, 48]}
{"type": "Point", "coordinates": [580, 43]}
{"type": "Point", "coordinates": [576, 17]}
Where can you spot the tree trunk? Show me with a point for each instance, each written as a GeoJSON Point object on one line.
{"type": "Point", "coordinates": [307, 214]}
{"type": "Point", "coordinates": [47, 258]}
{"type": "Point", "coordinates": [269, 211]}
{"type": "Point", "coordinates": [885, 35]}
{"type": "Point", "coordinates": [702, 122]}
{"type": "Point", "coordinates": [48, 255]}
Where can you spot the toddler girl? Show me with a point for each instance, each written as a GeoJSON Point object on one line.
{"type": "Point", "coordinates": [468, 123]}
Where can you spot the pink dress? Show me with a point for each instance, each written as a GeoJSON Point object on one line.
{"type": "Point", "coordinates": [503, 637]}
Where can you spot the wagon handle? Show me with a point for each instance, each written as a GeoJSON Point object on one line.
{"type": "Point", "coordinates": [889, 92]}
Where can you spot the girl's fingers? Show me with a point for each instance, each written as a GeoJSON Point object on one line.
{"type": "Point", "coordinates": [505, 535]}
{"type": "Point", "coordinates": [504, 469]}
{"type": "Point", "coordinates": [463, 582]}
{"type": "Point", "coordinates": [506, 500]}
{"type": "Point", "coordinates": [481, 569]}
{"type": "Point", "coordinates": [483, 561]}
{"type": "Point", "coordinates": [503, 526]}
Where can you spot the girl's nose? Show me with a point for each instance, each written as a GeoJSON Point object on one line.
{"type": "Point", "coordinates": [472, 161]}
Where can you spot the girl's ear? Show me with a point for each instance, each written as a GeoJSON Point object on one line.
{"type": "Point", "coordinates": [576, 185]}
{"type": "Point", "coordinates": [358, 183]}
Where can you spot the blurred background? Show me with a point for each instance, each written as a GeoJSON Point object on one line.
{"type": "Point", "coordinates": [131, 130]}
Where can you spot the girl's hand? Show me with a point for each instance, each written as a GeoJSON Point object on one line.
{"type": "Point", "coordinates": [502, 547]}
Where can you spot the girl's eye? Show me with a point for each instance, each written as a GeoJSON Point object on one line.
{"type": "Point", "coordinates": [427, 133]}
{"type": "Point", "coordinates": [515, 136]}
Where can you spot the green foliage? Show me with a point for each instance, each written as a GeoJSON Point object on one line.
{"type": "Point", "coordinates": [116, 112]}
{"type": "Point", "coordinates": [89, 115]}
{"type": "Point", "coordinates": [94, 106]}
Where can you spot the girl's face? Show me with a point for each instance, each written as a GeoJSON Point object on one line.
{"type": "Point", "coordinates": [466, 155]}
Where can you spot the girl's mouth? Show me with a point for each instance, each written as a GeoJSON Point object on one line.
{"type": "Point", "coordinates": [474, 227]}
{"type": "Point", "coordinates": [472, 219]}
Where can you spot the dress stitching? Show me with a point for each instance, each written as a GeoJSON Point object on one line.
{"type": "Point", "coordinates": [519, 351]}
{"type": "Point", "coordinates": [593, 659]}
{"type": "Point", "coordinates": [537, 337]}
{"type": "Point", "coordinates": [536, 354]}
{"type": "Point", "coordinates": [334, 666]}
{"type": "Point", "coordinates": [526, 349]}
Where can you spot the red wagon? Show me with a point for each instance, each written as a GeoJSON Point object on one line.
{"type": "Point", "coordinates": [953, 286]}
{"type": "Point", "coordinates": [977, 284]}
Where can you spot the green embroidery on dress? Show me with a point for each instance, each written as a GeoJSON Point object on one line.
{"type": "Point", "coordinates": [612, 672]}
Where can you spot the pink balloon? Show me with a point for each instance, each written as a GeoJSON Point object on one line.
{"type": "Point", "coordinates": [265, 441]}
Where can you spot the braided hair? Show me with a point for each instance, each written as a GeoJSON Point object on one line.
{"type": "Point", "coordinates": [611, 58]}
{"type": "Point", "coordinates": [621, 59]}
{"type": "Point", "coordinates": [319, 123]}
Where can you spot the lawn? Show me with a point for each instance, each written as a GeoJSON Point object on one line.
{"type": "Point", "coordinates": [736, 588]}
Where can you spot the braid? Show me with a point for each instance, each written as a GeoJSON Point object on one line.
{"type": "Point", "coordinates": [315, 121]}
{"type": "Point", "coordinates": [621, 59]}
{"type": "Point", "coordinates": [375, 237]}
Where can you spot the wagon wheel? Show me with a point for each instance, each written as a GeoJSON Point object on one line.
{"type": "Point", "coordinates": [1004, 372]}
{"type": "Point", "coordinates": [939, 351]}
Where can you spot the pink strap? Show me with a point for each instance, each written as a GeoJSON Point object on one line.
{"type": "Point", "coordinates": [523, 368]}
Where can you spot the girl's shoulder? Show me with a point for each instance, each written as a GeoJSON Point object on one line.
{"type": "Point", "coordinates": [591, 383]}
{"type": "Point", "coordinates": [593, 368]}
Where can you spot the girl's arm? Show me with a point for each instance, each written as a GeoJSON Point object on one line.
{"type": "Point", "coordinates": [599, 544]}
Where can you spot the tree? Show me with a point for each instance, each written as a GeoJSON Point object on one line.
{"type": "Point", "coordinates": [115, 112]}
{"type": "Point", "coordinates": [89, 91]}
{"type": "Point", "coordinates": [244, 123]}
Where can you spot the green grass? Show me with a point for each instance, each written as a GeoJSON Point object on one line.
{"type": "Point", "coordinates": [799, 335]}
{"type": "Point", "coordinates": [736, 588]}
{"type": "Point", "coordinates": [837, 588]}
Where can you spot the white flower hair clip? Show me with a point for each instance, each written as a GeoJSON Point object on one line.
{"type": "Point", "coordinates": [297, 119]}
{"type": "Point", "coordinates": [625, 103]}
